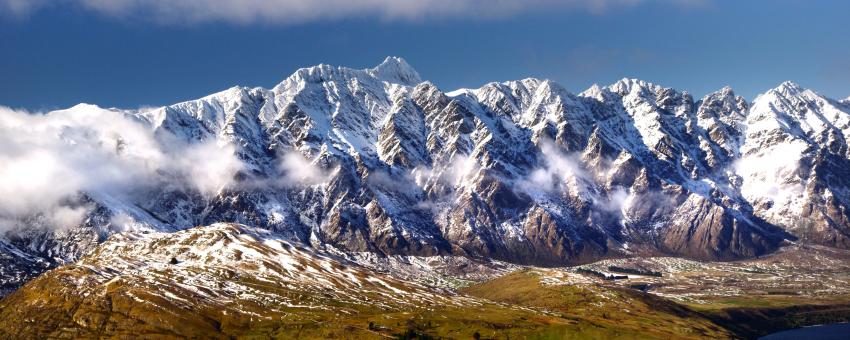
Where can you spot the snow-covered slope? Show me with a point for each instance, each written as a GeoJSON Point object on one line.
{"type": "Point", "coordinates": [379, 161]}
{"type": "Point", "coordinates": [226, 251]}
{"type": "Point", "coordinates": [794, 163]}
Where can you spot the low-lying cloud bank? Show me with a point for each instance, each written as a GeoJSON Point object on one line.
{"type": "Point", "coordinates": [48, 159]}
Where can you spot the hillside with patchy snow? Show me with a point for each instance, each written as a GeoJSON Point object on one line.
{"type": "Point", "coordinates": [228, 280]}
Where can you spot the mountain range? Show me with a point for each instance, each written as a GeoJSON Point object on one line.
{"type": "Point", "coordinates": [377, 163]}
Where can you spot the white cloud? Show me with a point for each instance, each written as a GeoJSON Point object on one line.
{"type": "Point", "coordinates": [563, 172]}
{"type": "Point", "coordinates": [618, 199]}
{"type": "Point", "coordinates": [460, 167]}
{"type": "Point", "coordinates": [298, 170]}
{"type": "Point", "coordinates": [300, 11]}
{"type": "Point", "coordinates": [558, 170]}
{"type": "Point", "coordinates": [456, 172]}
{"type": "Point", "coordinates": [47, 160]}
{"type": "Point", "coordinates": [122, 221]}
{"type": "Point", "coordinates": [772, 174]}
{"type": "Point", "coordinates": [65, 216]}
{"type": "Point", "coordinates": [210, 165]}
{"type": "Point", "coordinates": [20, 8]}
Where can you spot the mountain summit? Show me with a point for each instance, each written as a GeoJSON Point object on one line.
{"type": "Point", "coordinates": [396, 70]}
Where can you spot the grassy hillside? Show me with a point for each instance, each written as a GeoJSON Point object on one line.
{"type": "Point", "coordinates": [65, 304]}
{"type": "Point", "coordinates": [598, 311]}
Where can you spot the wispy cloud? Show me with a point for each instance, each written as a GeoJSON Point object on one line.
{"type": "Point", "coordinates": [20, 8]}
{"type": "Point", "coordinates": [298, 170]}
{"type": "Point", "coordinates": [301, 11]}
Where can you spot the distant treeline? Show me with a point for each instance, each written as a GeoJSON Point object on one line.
{"type": "Point", "coordinates": [634, 271]}
{"type": "Point", "coordinates": [602, 275]}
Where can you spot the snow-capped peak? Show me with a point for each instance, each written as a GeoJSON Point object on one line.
{"type": "Point", "coordinates": [392, 70]}
{"type": "Point", "coordinates": [783, 108]}
{"type": "Point", "coordinates": [725, 93]}
{"type": "Point", "coordinates": [626, 86]}
{"type": "Point", "coordinates": [83, 106]}
{"type": "Point", "coordinates": [789, 87]}
{"type": "Point", "coordinates": [396, 70]}
{"type": "Point", "coordinates": [592, 90]}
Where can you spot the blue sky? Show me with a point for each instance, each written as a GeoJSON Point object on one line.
{"type": "Point", "coordinates": [121, 54]}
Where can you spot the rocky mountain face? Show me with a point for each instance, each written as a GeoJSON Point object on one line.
{"type": "Point", "coordinates": [380, 161]}
{"type": "Point", "coordinates": [794, 163]}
